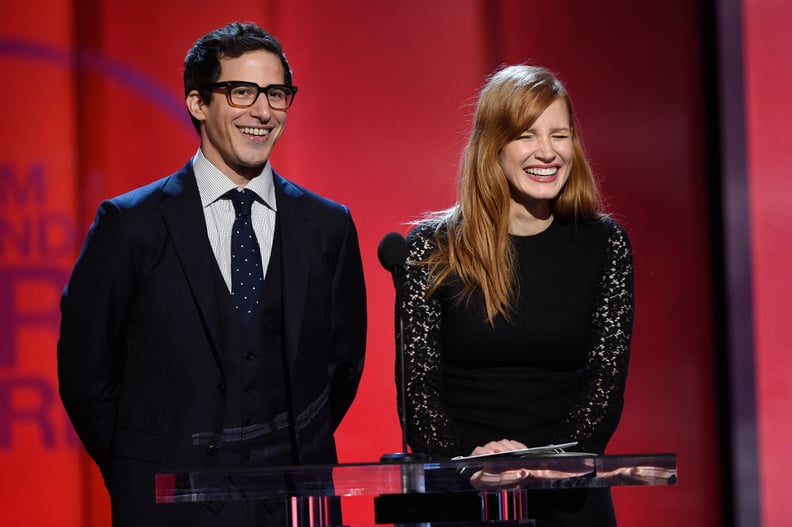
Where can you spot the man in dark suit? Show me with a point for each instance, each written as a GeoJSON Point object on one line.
{"type": "Point", "coordinates": [174, 355]}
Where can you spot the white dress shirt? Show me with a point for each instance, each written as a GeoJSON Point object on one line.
{"type": "Point", "coordinates": [219, 212]}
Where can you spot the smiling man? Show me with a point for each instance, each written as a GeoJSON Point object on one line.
{"type": "Point", "coordinates": [215, 318]}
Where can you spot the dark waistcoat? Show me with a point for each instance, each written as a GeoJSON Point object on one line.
{"type": "Point", "coordinates": [256, 430]}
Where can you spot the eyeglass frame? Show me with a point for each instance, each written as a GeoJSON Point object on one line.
{"type": "Point", "coordinates": [227, 86]}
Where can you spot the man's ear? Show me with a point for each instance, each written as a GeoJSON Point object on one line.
{"type": "Point", "coordinates": [196, 105]}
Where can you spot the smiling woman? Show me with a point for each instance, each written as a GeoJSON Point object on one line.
{"type": "Point", "coordinates": [536, 166]}
{"type": "Point", "coordinates": [518, 301]}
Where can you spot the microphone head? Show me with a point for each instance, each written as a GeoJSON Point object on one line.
{"type": "Point", "coordinates": [392, 251]}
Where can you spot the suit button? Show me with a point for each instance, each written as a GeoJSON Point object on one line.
{"type": "Point", "coordinates": [247, 456]}
{"type": "Point", "coordinates": [249, 388]}
{"type": "Point", "coordinates": [221, 389]}
{"type": "Point", "coordinates": [211, 447]}
{"type": "Point", "coordinates": [249, 355]}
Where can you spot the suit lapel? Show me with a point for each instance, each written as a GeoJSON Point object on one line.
{"type": "Point", "coordinates": [296, 234]}
{"type": "Point", "coordinates": [186, 224]}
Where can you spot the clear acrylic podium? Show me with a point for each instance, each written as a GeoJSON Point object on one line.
{"type": "Point", "coordinates": [403, 488]}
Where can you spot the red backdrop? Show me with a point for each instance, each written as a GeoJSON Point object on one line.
{"type": "Point", "coordinates": [768, 83]}
{"type": "Point", "coordinates": [93, 104]}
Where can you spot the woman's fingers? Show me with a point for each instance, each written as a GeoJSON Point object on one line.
{"type": "Point", "coordinates": [494, 447]}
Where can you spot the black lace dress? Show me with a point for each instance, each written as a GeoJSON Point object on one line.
{"type": "Point", "coordinates": [555, 373]}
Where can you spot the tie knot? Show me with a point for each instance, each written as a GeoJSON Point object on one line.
{"type": "Point", "coordinates": [242, 200]}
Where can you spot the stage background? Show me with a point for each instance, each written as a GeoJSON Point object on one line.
{"type": "Point", "coordinates": [93, 106]}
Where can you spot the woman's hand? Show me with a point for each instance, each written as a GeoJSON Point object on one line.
{"type": "Point", "coordinates": [498, 477]}
{"type": "Point", "coordinates": [495, 447]}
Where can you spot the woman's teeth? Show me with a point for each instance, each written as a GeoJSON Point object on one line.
{"type": "Point", "coordinates": [541, 171]}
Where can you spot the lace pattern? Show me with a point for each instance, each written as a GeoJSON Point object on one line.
{"type": "Point", "coordinates": [592, 420]}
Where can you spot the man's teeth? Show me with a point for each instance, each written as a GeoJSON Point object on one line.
{"type": "Point", "coordinates": [254, 131]}
{"type": "Point", "coordinates": [541, 171]}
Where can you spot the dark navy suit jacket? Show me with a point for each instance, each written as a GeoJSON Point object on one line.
{"type": "Point", "coordinates": [145, 328]}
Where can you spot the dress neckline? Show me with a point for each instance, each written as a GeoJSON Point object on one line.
{"type": "Point", "coordinates": [550, 227]}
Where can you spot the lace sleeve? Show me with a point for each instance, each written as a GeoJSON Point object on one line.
{"type": "Point", "coordinates": [593, 419]}
{"type": "Point", "coordinates": [429, 427]}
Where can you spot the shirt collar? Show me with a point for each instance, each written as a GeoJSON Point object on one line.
{"type": "Point", "coordinates": [213, 184]}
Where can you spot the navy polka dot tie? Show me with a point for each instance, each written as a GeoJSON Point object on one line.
{"type": "Point", "coordinates": [247, 278]}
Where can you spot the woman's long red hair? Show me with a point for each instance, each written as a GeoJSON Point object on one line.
{"type": "Point", "coordinates": [473, 236]}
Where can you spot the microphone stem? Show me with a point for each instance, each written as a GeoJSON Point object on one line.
{"type": "Point", "coordinates": [403, 394]}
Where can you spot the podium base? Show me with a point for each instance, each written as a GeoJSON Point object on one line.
{"type": "Point", "coordinates": [426, 508]}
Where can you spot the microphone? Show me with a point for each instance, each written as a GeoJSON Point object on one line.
{"type": "Point", "coordinates": [392, 253]}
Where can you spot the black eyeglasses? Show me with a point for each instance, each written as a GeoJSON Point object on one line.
{"type": "Point", "coordinates": [241, 94]}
